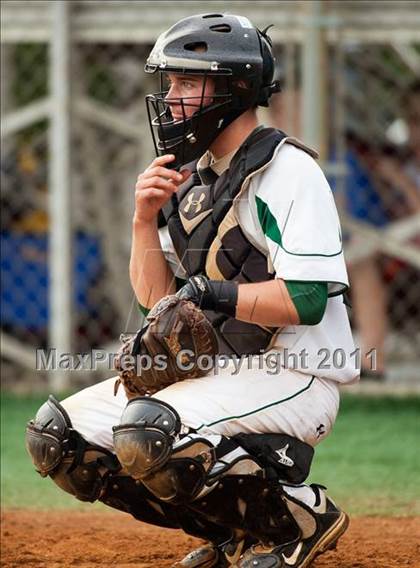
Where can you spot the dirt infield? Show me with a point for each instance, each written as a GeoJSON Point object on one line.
{"type": "Point", "coordinates": [87, 540]}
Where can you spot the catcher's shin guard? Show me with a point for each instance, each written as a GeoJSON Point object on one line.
{"type": "Point", "coordinates": [144, 443]}
{"type": "Point", "coordinates": [213, 476]}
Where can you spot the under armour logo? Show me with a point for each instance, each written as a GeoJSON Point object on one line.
{"type": "Point", "coordinates": [320, 430]}
{"type": "Point", "coordinates": [284, 458]}
{"type": "Point", "coordinates": [196, 202]}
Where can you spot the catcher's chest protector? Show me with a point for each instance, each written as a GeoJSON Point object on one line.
{"type": "Point", "coordinates": [208, 239]}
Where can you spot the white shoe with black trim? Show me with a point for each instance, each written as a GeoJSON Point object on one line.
{"type": "Point", "coordinates": [330, 525]}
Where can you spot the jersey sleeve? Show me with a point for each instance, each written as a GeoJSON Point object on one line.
{"type": "Point", "coordinates": [296, 213]}
{"type": "Point", "coordinates": [170, 254]}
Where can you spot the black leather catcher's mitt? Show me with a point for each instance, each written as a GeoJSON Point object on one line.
{"type": "Point", "coordinates": [167, 350]}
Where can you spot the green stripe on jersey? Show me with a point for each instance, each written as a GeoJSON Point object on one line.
{"type": "Point", "coordinates": [271, 229]}
{"type": "Point", "coordinates": [268, 221]}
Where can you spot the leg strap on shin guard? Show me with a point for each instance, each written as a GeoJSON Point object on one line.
{"type": "Point", "coordinates": [251, 504]}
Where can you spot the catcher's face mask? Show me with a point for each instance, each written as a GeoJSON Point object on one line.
{"type": "Point", "coordinates": [188, 113]}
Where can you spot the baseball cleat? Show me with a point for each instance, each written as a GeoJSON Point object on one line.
{"type": "Point", "coordinates": [208, 556]}
{"type": "Point", "coordinates": [213, 556]}
{"type": "Point", "coordinates": [330, 526]}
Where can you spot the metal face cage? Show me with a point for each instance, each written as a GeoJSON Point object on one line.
{"type": "Point", "coordinates": [174, 135]}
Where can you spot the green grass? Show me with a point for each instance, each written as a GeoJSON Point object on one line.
{"type": "Point", "coordinates": [370, 463]}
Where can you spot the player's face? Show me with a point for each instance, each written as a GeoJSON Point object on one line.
{"type": "Point", "coordinates": [194, 90]}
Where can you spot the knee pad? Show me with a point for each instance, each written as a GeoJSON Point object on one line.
{"type": "Point", "coordinates": [143, 440]}
{"type": "Point", "coordinates": [144, 443]}
{"type": "Point", "coordinates": [48, 436]}
{"type": "Point", "coordinates": [59, 451]}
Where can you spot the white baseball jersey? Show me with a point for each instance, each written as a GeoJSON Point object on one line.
{"type": "Point", "coordinates": [287, 211]}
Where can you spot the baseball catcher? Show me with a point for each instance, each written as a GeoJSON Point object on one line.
{"type": "Point", "coordinates": [237, 262]}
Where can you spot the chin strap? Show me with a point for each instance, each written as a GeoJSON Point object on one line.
{"type": "Point", "coordinates": [267, 91]}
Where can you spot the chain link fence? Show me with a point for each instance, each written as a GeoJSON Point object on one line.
{"type": "Point", "coordinates": [370, 149]}
{"type": "Point", "coordinates": [372, 160]}
{"type": "Point", "coordinates": [381, 96]}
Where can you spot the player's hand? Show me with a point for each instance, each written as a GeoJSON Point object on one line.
{"type": "Point", "coordinates": [155, 187]}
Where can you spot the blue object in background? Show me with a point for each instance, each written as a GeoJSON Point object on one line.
{"type": "Point", "coordinates": [363, 201]}
{"type": "Point", "coordinates": [24, 277]}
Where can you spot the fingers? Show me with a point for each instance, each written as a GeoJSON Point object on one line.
{"type": "Point", "coordinates": [164, 173]}
{"type": "Point", "coordinates": [157, 168]}
{"type": "Point", "coordinates": [157, 182]}
{"type": "Point", "coordinates": [161, 161]}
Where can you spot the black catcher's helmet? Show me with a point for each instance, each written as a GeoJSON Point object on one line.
{"type": "Point", "coordinates": [227, 48]}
